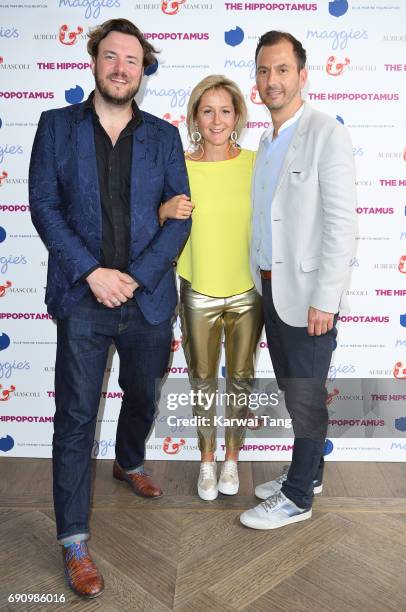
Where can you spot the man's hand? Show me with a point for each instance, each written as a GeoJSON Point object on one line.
{"type": "Point", "coordinates": [111, 287]}
{"type": "Point", "coordinates": [319, 322]}
{"type": "Point", "coordinates": [178, 207]}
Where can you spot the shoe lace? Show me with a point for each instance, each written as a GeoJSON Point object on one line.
{"type": "Point", "coordinates": [272, 501]}
{"type": "Point", "coordinates": [206, 470]}
{"type": "Point", "coordinates": [143, 472]}
{"type": "Point", "coordinates": [282, 477]}
{"type": "Point", "coordinates": [229, 467]}
{"type": "Point", "coordinates": [77, 550]}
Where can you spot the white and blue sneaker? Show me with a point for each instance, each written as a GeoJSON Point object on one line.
{"type": "Point", "coordinates": [266, 489]}
{"type": "Point", "coordinates": [276, 511]}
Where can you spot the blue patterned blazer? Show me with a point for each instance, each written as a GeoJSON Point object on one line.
{"type": "Point", "coordinates": [66, 209]}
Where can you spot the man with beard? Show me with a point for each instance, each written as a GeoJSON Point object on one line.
{"type": "Point", "coordinates": [304, 228]}
{"type": "Point", "coordinates": [99, 171]}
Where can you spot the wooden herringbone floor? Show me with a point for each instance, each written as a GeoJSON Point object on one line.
{"type": "Point", "coordinates": [180, 553]}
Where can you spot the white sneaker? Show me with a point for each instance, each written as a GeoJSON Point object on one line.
{"type": "Point", "coordinates": [265, 490]}
{"type": "Point", "coordinates": [229, 483]}
{"type": "Point", "coordinates": [207, 483]}
{"type": "Point", "coordinates": [276, 511]}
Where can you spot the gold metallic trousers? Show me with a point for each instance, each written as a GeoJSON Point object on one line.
{"type": "Point", "coordinates": [203, 320]}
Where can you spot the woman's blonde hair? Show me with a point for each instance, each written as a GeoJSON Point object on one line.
{"type": "Point", "coordinates": [216, 81]}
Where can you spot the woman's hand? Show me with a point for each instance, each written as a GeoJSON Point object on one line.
{"type": "Point", "coordinates": [178, 207]}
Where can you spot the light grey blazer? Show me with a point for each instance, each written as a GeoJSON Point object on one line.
{"type": "Point", "coordinates": [314, 223]}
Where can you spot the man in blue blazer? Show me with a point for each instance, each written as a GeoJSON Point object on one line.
{"type": "Point", "coordinates": [99, 171]}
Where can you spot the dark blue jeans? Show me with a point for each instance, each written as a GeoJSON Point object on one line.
{"type": "Point", "coordinates": [84, 339]}
{"type": "Point", "coordinates": [301, 363]}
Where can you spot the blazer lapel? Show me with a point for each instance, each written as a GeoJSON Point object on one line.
{"type": "Point", "coordinates": [292, 150]}
{"type": "Point", "coordinates": [139, 178]}
{"type": "Point", "coordinates": [88, 180]}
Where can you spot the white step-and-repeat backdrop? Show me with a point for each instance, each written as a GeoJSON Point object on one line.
{"type": "Point", "coordinates": [357, 69]}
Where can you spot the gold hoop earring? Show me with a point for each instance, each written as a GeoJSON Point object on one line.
{"type": "Point", "coordinates": [233, 147]}
{"type": "Point", "coordinates": [197, 143]}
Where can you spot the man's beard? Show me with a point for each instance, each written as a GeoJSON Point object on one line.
{"type": "Point", "coordinates": [111, 98]}
{"type": "Point", "coordinates": [273, 104]}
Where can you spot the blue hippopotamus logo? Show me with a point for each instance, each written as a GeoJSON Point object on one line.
{"type": "Point", "coordinates": [328, 447]}
{"type": "Point", "coordinates": [400, 424]}
{"type": "Point", "coordinates": [338, 8]}
{"type": "Point", "coordinates": [6, 443]}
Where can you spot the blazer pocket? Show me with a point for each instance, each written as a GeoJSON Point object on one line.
{"type": "Point", "coordinates": [310, 264]}
{"type": "Point", "coordinates": [298, 177]}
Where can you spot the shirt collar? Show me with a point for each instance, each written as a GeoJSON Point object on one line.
{"type": "Point", "coordinates": [136, 113]}
{"type": "Point", "coordinates": [268, 134]}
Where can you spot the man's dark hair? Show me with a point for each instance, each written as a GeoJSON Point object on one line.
{"type": "Point", "coordinates": [124, 26]}
{"type": "Point", "coordinates": [273, 37]}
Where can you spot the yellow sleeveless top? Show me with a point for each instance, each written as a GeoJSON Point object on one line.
{"type": "Point", "coordinates": [215, 259]}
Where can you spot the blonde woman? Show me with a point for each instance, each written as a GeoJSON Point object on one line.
{"type": "Point", "coordinates": [217, 293]}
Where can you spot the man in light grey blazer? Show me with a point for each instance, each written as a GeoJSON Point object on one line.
{"type": "Point", "coordinates": [304, 230]}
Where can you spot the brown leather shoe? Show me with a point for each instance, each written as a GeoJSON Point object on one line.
{"type": "Point", "coordinates": [140, 482]}
{"type": "Point", "coordinates": [81, 573]}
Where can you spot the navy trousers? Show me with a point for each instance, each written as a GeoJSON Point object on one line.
{"type": "Point", "coordinates": [301, 364]}
{"type": "Point", "coordinates": [83, 342]}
